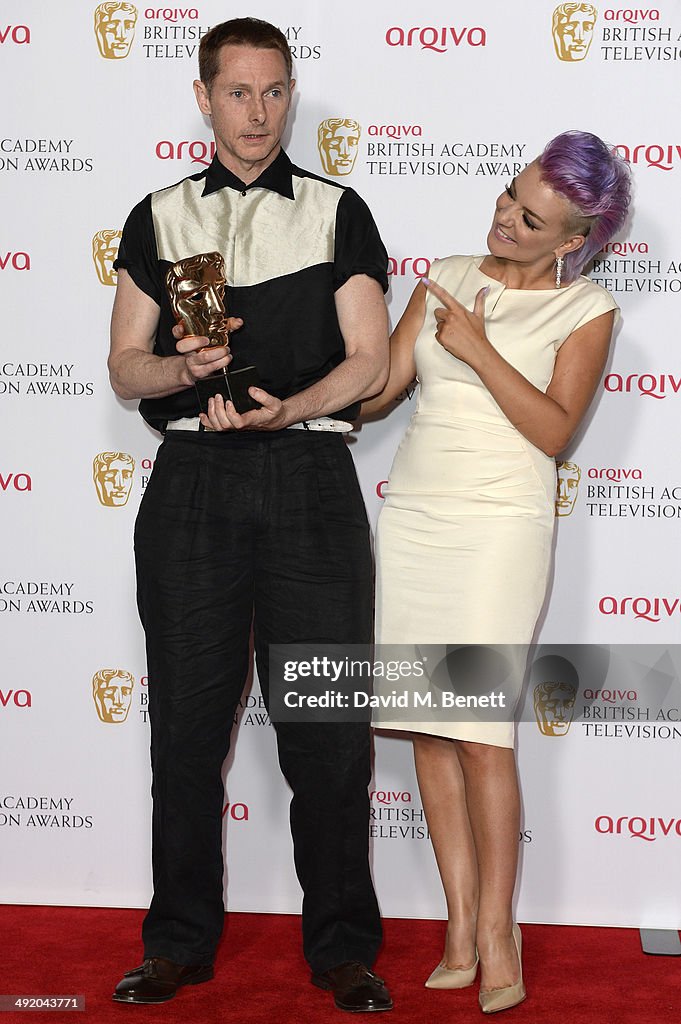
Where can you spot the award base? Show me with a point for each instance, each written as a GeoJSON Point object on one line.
{"type": "Point", "coordinates": [233, 386]}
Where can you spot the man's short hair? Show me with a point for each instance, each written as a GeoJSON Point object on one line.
{"type": "Point", "coordinates": [240, 32]}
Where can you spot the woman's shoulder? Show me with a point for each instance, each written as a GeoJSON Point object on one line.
{"type": "Point", "coordinates": [593, 294]}
{"type": "Point", "coordinates": [452, 267]}
{"type": "Point", "coordinates": [585, 300]}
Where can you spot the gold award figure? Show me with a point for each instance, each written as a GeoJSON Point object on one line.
{"type": "Point", "coordinates": [567, 487]}
{"type": "Point", "coordinates": [196, 289]}
{"type": "Point", "coordinates": [112, 473]}
{"type": "Point", "coordinates": [337, 141]}
{"type": "Point", "coordinates": [196, 286]}
{"type": "Point", "coordinates": [115, 28]}
{"type": "Point", "coordinates": [104, 251]}
{"type": "Point", "coordinates": [573, 29]}
{"type": "Point", "coordinates": [112, 694]}
{"type": "Point", "coordinates": [554, 705]}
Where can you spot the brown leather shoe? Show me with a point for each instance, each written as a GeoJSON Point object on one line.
{"type": "Point", "coordinates": [355, 988]}
{"type": "Point", "coordinates": [158, 979]}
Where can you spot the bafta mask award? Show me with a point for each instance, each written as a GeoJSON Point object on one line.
{"type": "Point", "coordinates": [196, 288]}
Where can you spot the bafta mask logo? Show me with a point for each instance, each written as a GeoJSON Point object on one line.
{"type": "Point", "coordinates": [337, 140]}
{"type": "Point", "coordinates": [573, 29]}
{"type": "Point", "coordinates": [554, 706]}
{"type": "Point", "coordinates": [196, 286]}
{"type": "Point", "coordinates": [112, 694]}
{"type": "Point", "coordinates": [112, 473]}
{"type": "Point", "coordinates": [567, 487]}
{"type": "Point", "coordinates": [104, 251]}
{"type": "Point", "coordinates": [115, 28]}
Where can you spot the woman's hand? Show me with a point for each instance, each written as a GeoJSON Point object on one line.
{"type": "Point", "coordinates": [459, 331]}
{"type": "Point", "coordinates": [547, 419]}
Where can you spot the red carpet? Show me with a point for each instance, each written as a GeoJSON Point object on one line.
{"type": "Point", "coordinates": [573, 975]}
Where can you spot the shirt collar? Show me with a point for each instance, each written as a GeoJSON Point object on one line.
{"type": "Point", "coordinates": [277, 177]}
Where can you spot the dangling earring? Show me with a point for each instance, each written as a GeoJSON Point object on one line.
{"type": "Point", "coordinates": [559, 270]}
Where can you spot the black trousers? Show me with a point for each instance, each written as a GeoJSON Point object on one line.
{"type": "Point", "coordinates": [269, 529]}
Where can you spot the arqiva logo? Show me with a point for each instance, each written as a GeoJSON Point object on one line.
{"type": "Point", "coordinates": [171, 13]}
{"type": "Point", "coordinates": [437, 39]}
{"type": "Point", "coordinates": [632, 16]}
{"type": "Point", "coordinates": [19, 34]}
{"type": "Point", "coordinates": [648, 829]}
{"type": "Point", "coordinates": [419, 266]}
{"type": "Point", "coordinates": [198, 151]}
{"type": "Point", "coordinates": [652, 609]}
{"type": "Point", "coordinates": [19, 698]}
{"type": "Point", "coordinates": [661, 157]}
{"type": "Point", "coordinates": [625, 248]}
{"type": "Point", "coordinates": [649, 384]}
{"type": "Point", "coordinates": [15, 261]}
{"type": "Point", "coordinates": [388, 796]}
{"type": "Point", "coordinates": [237, 812]}
{"type": "Point", "coordinates": [15, 482]}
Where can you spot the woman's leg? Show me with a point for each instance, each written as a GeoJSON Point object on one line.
{"type": "Point", "coordinates": [493, 801]}
{"type": "Point", "coordinates": [441, 783]}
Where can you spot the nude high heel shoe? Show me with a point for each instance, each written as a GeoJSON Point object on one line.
{"type": "Point", "coordinates": [453, 977]}
{"type": "Point", "coordinates": [504, 998]}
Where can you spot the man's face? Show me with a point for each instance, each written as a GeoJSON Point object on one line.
{"type": "Point", "coordinates": [339, 150]}
{"type": "Point", "coordinates": [113, 699]}
{"type": "Point", "coordinates": [199, 300]}
{"type": "Point", "coordinates": [574, 34]}
{"type": "Point", "coordinates": [115, 33]}
{"type": "Point", "coordinates": [554, 706]}
{"type": "Point", "coordinates": [114, 481]}
{"type": "Point", "coordinates": [567, 489]}
{"type": "Point", "coordinates": [248, 104]}
{"type": "Point", "coordinates": [105, 252]}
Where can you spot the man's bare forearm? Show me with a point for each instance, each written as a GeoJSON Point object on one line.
{"type": "Point", "coordinates": [137, 374]}
{"type": "Point", "coordinates": [360, 375]}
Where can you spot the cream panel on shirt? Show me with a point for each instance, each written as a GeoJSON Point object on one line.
{"type": "Point", "coordinates": [261, 235]}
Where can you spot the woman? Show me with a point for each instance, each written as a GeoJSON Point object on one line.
{"type": "Point", "coordinates": [508, 349]}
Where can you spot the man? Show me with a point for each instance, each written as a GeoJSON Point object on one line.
{"type": "Point", "coordinates": [254, 517]}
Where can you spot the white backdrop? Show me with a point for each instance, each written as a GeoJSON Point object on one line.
{"type": "Point", "coordinates": [450, 103]}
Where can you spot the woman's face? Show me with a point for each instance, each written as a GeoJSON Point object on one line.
{"type": "Point", "coordinates": [531, 222]}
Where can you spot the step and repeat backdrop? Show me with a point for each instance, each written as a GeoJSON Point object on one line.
{"type": "Point", "coordinates": [427, 112]}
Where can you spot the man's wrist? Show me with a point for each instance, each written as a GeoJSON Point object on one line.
{"type": "Point", "coordinates": [288, 413]}
{"type": "Point", "coordinates": [185, 377]}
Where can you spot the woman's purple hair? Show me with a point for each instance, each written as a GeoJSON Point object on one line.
{"type": "Point", "coordinates": [597, 182]}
